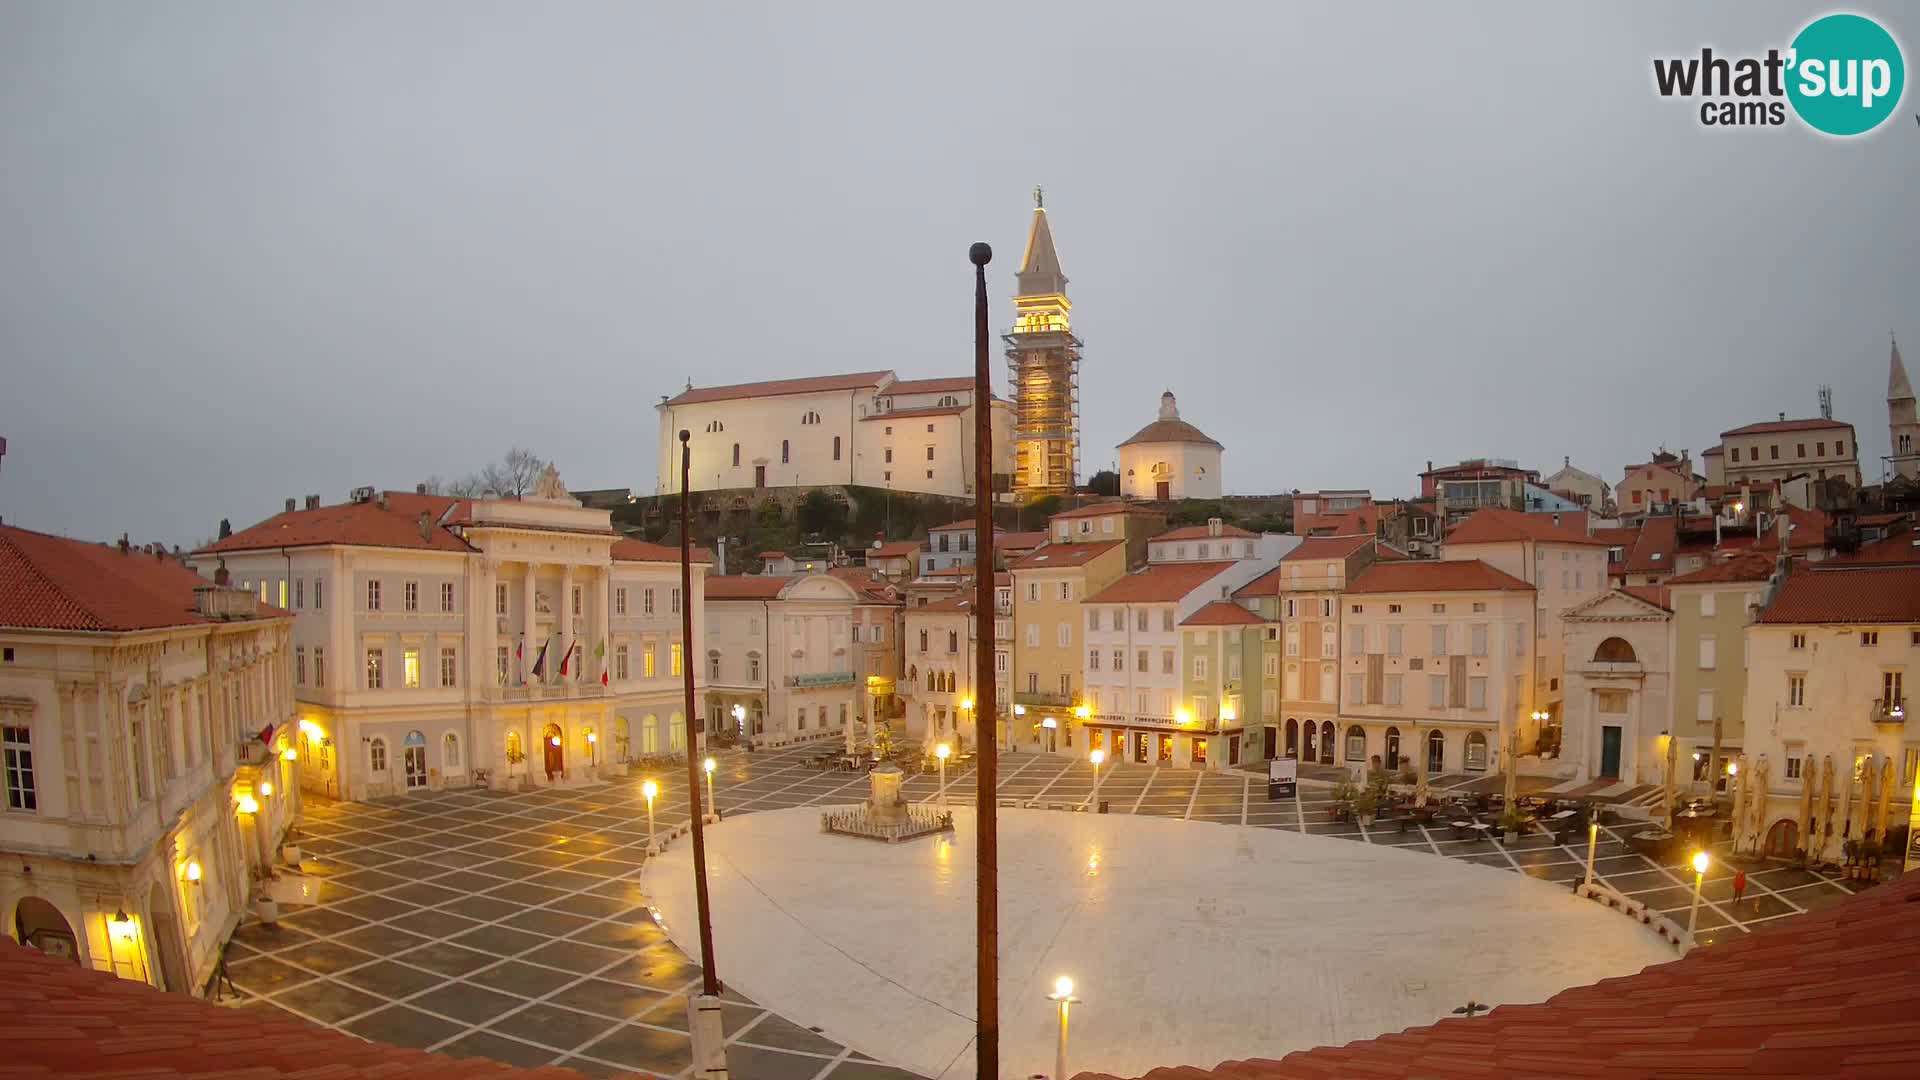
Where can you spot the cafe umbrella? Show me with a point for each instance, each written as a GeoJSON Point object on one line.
{"type": "Point", "coordinates": [1737, 816]}
{"type": "Point", "coordinates": [1808, 778]}
{"type": "Point", "coordinates": [1826, 803]}
{"type": "Point", "coordinates": [1757, 800]}
{"type": "Point", "coordinates": [1885, 817]}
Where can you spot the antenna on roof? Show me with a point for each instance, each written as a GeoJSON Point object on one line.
{"type": "Point", "coordinates": [1826, 402]}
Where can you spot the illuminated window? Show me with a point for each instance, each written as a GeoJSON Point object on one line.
{"type": "Point", "coordinates": [376, 669]}
{"type": "Point", "coordinates": [647, 661]}
{"type": "Point", "coordinates": [675, 654]}
{"type": "Point", "coordinates": [410, 668]}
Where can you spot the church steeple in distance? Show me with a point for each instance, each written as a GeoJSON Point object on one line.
{"type": "Point", "coordinates": [1043, 367]}
{"type": "Point", "coordinates": [1903, 426]}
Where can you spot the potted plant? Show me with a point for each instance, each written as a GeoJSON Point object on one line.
{"type": "Point", "coordinates": [265, 907]}
{"type": "Point", "coordinates": [1342, 808]}
{"type": "Point", "coordinates": [1511, 823]}
{"type": "Point", "coordinates": [515, 756]}
{"type": "Point", "coordinates": [290, 846]}
{"type": "Point", "coordinates": [1367, 803]}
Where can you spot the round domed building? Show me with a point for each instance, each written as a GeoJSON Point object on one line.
{"type": "Point", "coordinates": [1170, 459]}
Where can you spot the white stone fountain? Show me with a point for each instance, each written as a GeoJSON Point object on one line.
{"type": "Point", "coordinates": [886, 815]}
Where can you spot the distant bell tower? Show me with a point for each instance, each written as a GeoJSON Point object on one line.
{"type": "Point", "coordinates": [1043, 368]}
{"type": "Point", "coordinates": [1903, 427]}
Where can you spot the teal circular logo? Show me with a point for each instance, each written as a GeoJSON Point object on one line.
{"type": "Point", "coordinates": [1845, 74]}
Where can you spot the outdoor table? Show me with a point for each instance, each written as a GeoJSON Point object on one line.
{"type": "Point", "coordinates": [1562, 815]}
{"type": "Point", "coordinates": [1460, 829]}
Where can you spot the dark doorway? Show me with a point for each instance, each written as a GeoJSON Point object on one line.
{"type": "Point", "coordinates": [1393, 749]}
{"type": "Point", "coordinates": [1162, 491]}
{"type": "Point", "coordinates": [1610, 751]}
{"type": "Point", "coordinates": [759, 476]}
{"type": "Point", "coordinates": [1273, 742]}
{"type": "Point", "coordinates": [555, 755]}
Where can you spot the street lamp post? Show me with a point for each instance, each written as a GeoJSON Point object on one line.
{"type": "Point", "coordinates": [650, 789]}
{"type": "Point", "coordinates": [1699, 875]}
{"type": "Point", "coordinates": [1593, 840]}
{"type": "Point", "coordinates": [940, 752]}
{"type": "Point", "coordinates": [740, 721]}
{"type": "Point", "coordinates": [1063, 996]}
{"type": "Point", "coordinates": [1096, 757]}
{"type": "Point", "coordinates": [713, 808]}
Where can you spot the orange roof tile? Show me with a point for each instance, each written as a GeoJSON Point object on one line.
{"type": "Point", "coordinates": [1652, 550]}
{"type": "Point", "coordinates": [873, 588]}
{"type": "Point", "coordinates": [1051, 556]}
{"type": "Point", "coordinates": [1746, 566]}
{"type": "Point", "coordinates": [1221, 613]}
{"type": "Point", "coordinates": [52, 583]}
{"type": "Point", "coordinates": [647, 551]}
{"type": "Point", "coordinates": [816, 384]}
{"type": "Point", "coordinates": [1267, 584]}
{"type": "Point", "coordinates": [1328, 547]}
{"type": "Point", "coordinates": [1787, 425]}
{"type": "Point", "coordinates": [1848, 596]}
{"type": "Point", "coordinates": [1656, 595]}
{"type": "Point", "coordinates": [1494, 525]}
{"type": "Point", "coordinates": [747, 586]}
{"type": "Point", "coordinates": [959, 603]}
{"type": "Point", "coordinates": [1894, 550]}
{"type": "Point", "coordinates": [66, 1020]}
{"type": "Point", "coordinates": [367, 524]}
{"type": "Point", "coordinates": [1203, 532]}
{"type": "Point", "coordinates": [957, 385]}
{"type": "Point", "coordinates": [1159, 583]}
{"type": "Point", "coordinates": [894, 549]}
{"type": "Point", "coordinates": [1019, 541]}
{"type": "Point", "coordinates": [1363, 519]}
{"type": "Point", "coordinates": [1434, 575]}
{"type": "Point", "coordinates": [1105, 506]}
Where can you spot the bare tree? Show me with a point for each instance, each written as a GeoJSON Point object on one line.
{"type": "Point", "coordinates": [433, 485]}
{"type": "Point", "coordinates": [469, 486]}
{"type": "Point", "coordinates": [514, 476]}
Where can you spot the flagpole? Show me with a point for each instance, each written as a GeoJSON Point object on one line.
{"type": "Point", "coordinates": [986, 805]}
{"type": "Point", "coordinates": [703, 1013]}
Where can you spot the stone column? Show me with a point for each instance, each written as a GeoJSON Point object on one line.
{"type": "Point", "coordinates": [602, 608]}
{"type": "Point", "coordinates": [527, 625]}
{"type": "Point", "coordinates": [563, 617]}
{"type": "Point", "coordinates": [484, 630]}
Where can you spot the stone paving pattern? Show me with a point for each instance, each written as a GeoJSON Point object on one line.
{"type": "Point", "coordinates": [513, 927]}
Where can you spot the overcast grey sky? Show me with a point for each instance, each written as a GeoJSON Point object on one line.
{"type": "Point", "coordinates": [250, 251]}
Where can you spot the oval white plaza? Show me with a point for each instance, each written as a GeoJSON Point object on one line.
{"type": "Point", "coordinates": [1189, 943]}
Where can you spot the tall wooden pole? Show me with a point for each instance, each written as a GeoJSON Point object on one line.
{"type": "Point", "coordinates": [987, 710]}
{"type": "Point", "coordinates": [709, 970]}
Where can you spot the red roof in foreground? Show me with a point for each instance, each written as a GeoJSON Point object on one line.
{"type": "Point", "coordinates": [65, 1020]}
{"type": "Point", "coordinates": [1832, 993]}
{"type": "Point", "coordinates": [52, 583]}
{"type": "Point", "coordinates": [1433, 575]}
{"type": "Point", "coordinates": [1880, 594]}
{"type": "Point", "coordinates": [1746, 566]}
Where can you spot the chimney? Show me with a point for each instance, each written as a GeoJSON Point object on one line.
{"type": "Point", "coordinates": [720, 555]}
{"type": "Point", "coordinates": [313, 502]}
{"type": "Point", "coordinates": [123, 543]}
{"type": "Point", "coordinates": [290, 506]}
{"type": "Point", "coordinates": [1213, 526]}
{"type": "Point", "coordinates": [426, 525]}
{"type": "Point", "coordinates": [1556, 519]}
{"type": "Point", "coordinates": [1783, 417]}
{"type": "Point", "coordinates": [420, 489]}
{"type": "Point", "coordinates": [383, 500]}
{"type": "Point", "coordinates": [221, 577]}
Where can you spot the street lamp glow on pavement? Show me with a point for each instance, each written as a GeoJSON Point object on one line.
{"type": "Point", "coordinates": [1700, 862]}
{"type": "Point", "coordinates": [1063, 997]}
{"type": "Point", "coordinates": [651, 789]}
{"type": "Point", "coordinates": [713, 808]}
{"type": "Point", "coordinates": [940, 752]}
{"type": "Point", "coordinates": [1096, 757]}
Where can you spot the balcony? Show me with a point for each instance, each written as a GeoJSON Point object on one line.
{"type": "Point", "coordinates": [1886, 711]}
{"type": "Point", "coordinates": [545, 692]}
{"type": "Point", "coordinates": [1042, 699]}
{"type": "Point", "coordinates": [1613, 669]}
{"type": "Point", "coordinates": [815, 680]}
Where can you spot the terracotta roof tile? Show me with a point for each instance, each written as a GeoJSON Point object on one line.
{"type": "Point", "coordinates": [1895, 550]}
{"type": "Point", "coordinates": [1434, 575]}
{"type": "Point", "coordinates": [52, 583]}
{"type": "Point", "coordinates": [1746, 566]}
{"type": "Point", "coordinates": [646, 551]}
{"type": "Point", "coordinates": [1019, 541]}
{"type": "Point", "coordinates": [1159, 583]}
{"type": "Point", "coordinates": [1494, 525]}
{"type": "Point", "coordinates": [817, 384]}
{"type": "Point", "coordinates": [1656, 595]}
{"type": "Point", "coordinates": [1786, 425]}
{"type": "Point", "coordinates": [1203, 532]}
{"type": "Point", "coordinates": [1790, 1000]}
{"type": "Point", "coordinates": [1051, 556]}
{"type": "Point", "coordinates": [1221, 613]}
{"type": "Point", "coordinates": [1104, 506]}
{"type": "Point", "coordinates": [1328, 547]}
{"type": "Point", "coordinates": [1652, 551]}
{"type": "Point", "coordinates": [958, 385]}
{"type": "Point", "coordinates": [873, 588]}
{"type": "Point", "coordinates": [1171, 431]}
{"type": "Point", "coordinates": [1267, 584]}
{"type": "Point", "coordinates": [1848, 596]}
{"type": "Point", "coordinates": [367, 524]}
{"type": "Point", "coordinates": [1362, 519]}
{"type": "Point", "coordinates": [894, 549]}
{"type": "Point", "coordinates": [747, 586]}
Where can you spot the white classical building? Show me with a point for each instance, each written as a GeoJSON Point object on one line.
{"type": "Point", "coordinates": [780, 650]}
{"type": "Point", "coordinates": [1170, 459]}
{"type": "Point", "coordinates": [1826, 707]}
{"type": "Point", "coordinates": [868, 428]}
{"type": "Point", "coordinates": [144, 713]}
{"type": "Point", "coordinates": [1618, 685]}
{"type": "Point", "coordinates": [942, 658]}
{"type": "Point", "coordinates": [440, 641]}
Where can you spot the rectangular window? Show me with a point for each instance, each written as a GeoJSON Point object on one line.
{"type": "Point", "coordinates": [1479, 607]}
{"type": "Point", "coordinates": [410, 668]}
{"type": "Point", "coordinates": [1706, 604]}
{"type": "Point", "coordinates": [1703, 708]}
{"type": "Point", "coordinates": [449, 668]}
{"type": "Point", "coordinates": [1393, 640]}
{"type": "Point", "coordinates": [501, 664]}
{"type": "Point", "coordinates": [673, 667]}
{"type": "Point", "coordinates": [1793, 765]}
{"type": "Point", "coordinates": [620, 658]}
{"type": "Point", "coordinates": [446, 596]}
{"type": "Point", "coordinates": [1293, 641]}
{"type": "Point", "coordinates": [1093, 659]}
{"type": "Point", "coordinates": [1066, 590]}
{"type": "Point", "coordinates": [1140, 661]}
{"type": "Point", "coordinates": [1200, 667]}
{"type": "Point", "coordinates": [1796, 691]}
{"type": "Point", "coordinates": [1439, 641]}
{"type": "Point", "coordinates": [1119, 660]}
{"type": "Point", "coordinates": [1289, 607]}
{"type": "Point", "coordinates": [1329, 641]}
{"type": "Point", "coordinates": [299, 593]}
{"type": "Point", "coordinates": [319, 666]}
{"type": "Point", "coordinates": [1093, 618]}
{"type": "Point", "coordinates": [1269, 665]}
{"type": "Point", "coordinates": [300, 665]}
{"type": "Point", "coordinates": [1480, 639]}
{"type": "Point", "coordinates": [499, 599]}
{"type": "Point", "coordinates": [1869, 638]}
{"type": "Point", "coordinates": [1356, 640]}
{"type": "Point", "coordinates": [376, 669]}
{"type": "Point", "coordinates": [1033, 591]}
{"type": "Point", "coordinates": [1890, 688]}
{"type": "Point", "coordinates": [1166, 661]}
{"type": "Point", "coordinates": [1033, 635]}
{"type": "Point", "coordinates": [22, 793]}
{"type": "Point", "coordinates": [575, 601]}
{"type": "Point", "coordinates": [1166, 619]}
{"type": "Point", "coordinates": [411, 596]}
{"type": "Point", "coordinates": [1436, 691]}
{"type": "Point", "coordinates": [1706, 654]}
{"type": "Point", "coordinates": [1356, 689]}
{"type": "Point", "coordinates": [1393, 689]}
{"type": "Point", "coordinates": [1477, 692]}
{"type": "Point", "coordinates": [1063, 634]}
{"type": "Point", "coordinates": [674, 596]}
{"type": "Point", "coordinates": [646, 601]}
{"type": "Point", "coordinates": [373, 595]}
{"type": "Point", "coordinates": [648, 661]}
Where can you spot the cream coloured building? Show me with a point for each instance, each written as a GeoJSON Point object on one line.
{"type": "Point", "coordinates": [438, 642]}
{"type": "Point", "coordinates": [1772, 450]}
{"type": "Point", "coordinates": [1619, 683]}
{"type": "Point", "coordinates": [145, 714]}
{"type": "Point", "coordinates": [942, 664]}
{"type": "Point", "coordinates": [1170, 459]}
{"type": "Point", "coordinates": [868, 428]}
{"type": "Point", "coordinates": [781, 650]}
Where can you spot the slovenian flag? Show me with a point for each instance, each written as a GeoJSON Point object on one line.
{"type": "Point", "coordinates": [540, 662]}
{"type": "Point", "coordinates": [566, 657]}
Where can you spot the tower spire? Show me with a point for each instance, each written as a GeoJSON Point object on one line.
{"type": "Point", "coordinates": [1898, 388]}
{"type": "Point", "coordinates": [1040, 273]}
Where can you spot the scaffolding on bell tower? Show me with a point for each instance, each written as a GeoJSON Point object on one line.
{"type": "Point", "coordinates": [1043, 370]}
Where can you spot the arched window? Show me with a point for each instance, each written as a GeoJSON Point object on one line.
{"type": "Point", "coordinates": [713, 664]}
{"type": "Point", "coordinates": [786, 451]}
{"type": "Point", "coordinates": [377, 755]}
{"type": "Point", "coordinates": [736, 455]}
{"type": "Point", "coordinates": [1293, 738]}
{"type": "Point", "coordinates": [1614, 651]}
{"type": "Point", "coordinates": [450, 752]}
{"type": "Point", "coordinates": [913, 675]}
{"type": "Point", "coordinates": [836, 448]}
{"type": "Point", "coordinates": [1326, 742]}
{"type": "Point", "coordinates": [753, 667]}
{"type": "Point", "coordinates": [715, 426]}
{"type": "Point", "coordinates": [513, 747]}
{"type": "Point", "coordinates": [1436, 752]}
{"type": "Point", "coordinates": [1311, 749]}
{"type": "Point", "coordinates": [1393, 748]}
{"type": "Point", "coordinates": [1476, 751]}
{"type": "Point", "coordinates": [1356, 743]}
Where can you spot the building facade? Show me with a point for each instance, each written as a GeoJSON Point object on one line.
{"type": "Point", "coordinates": [1476, 484]}
{"type": "Point", "coordinates": [1043, 370]}
{"type": "Point", "coordinates": [1618, 689]}
{"type": "Point", "coordinates": [440, 642]}
{"type": "Point", "coordinates": [1661, 484]}
{"type": "Point", "coordinates": [942, 671]}
{"type": "Point", "coordinates": [1712, 609]}
{"type": "Point", "coordinates": [1049, 587]}
{"type": "Point", "coordinates": [146, 714]}
{"type": "Point", "coordinates": [1581, 486]}
{"type": "Point", "coordinates": [782, 657]}
{"type": "Point", "coordinates": [1170, 459]}
{"type": "Point", "coordinates": [1819, 448]}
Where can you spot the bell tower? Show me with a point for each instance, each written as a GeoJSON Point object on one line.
{"type": "Point", "coordinates": [1903, 427]}
{"type": "Point", "coordinates": [1043, 367]}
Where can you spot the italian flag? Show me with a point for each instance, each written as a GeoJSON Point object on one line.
{"type": "Point", "coordinates": [600, 654]}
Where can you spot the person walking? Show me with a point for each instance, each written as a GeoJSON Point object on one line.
{"type": "Point", "coordinates": [1739, 885]}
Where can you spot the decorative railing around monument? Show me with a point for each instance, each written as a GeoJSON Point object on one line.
{"type": "Point", "coordinates": [857, 821]}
